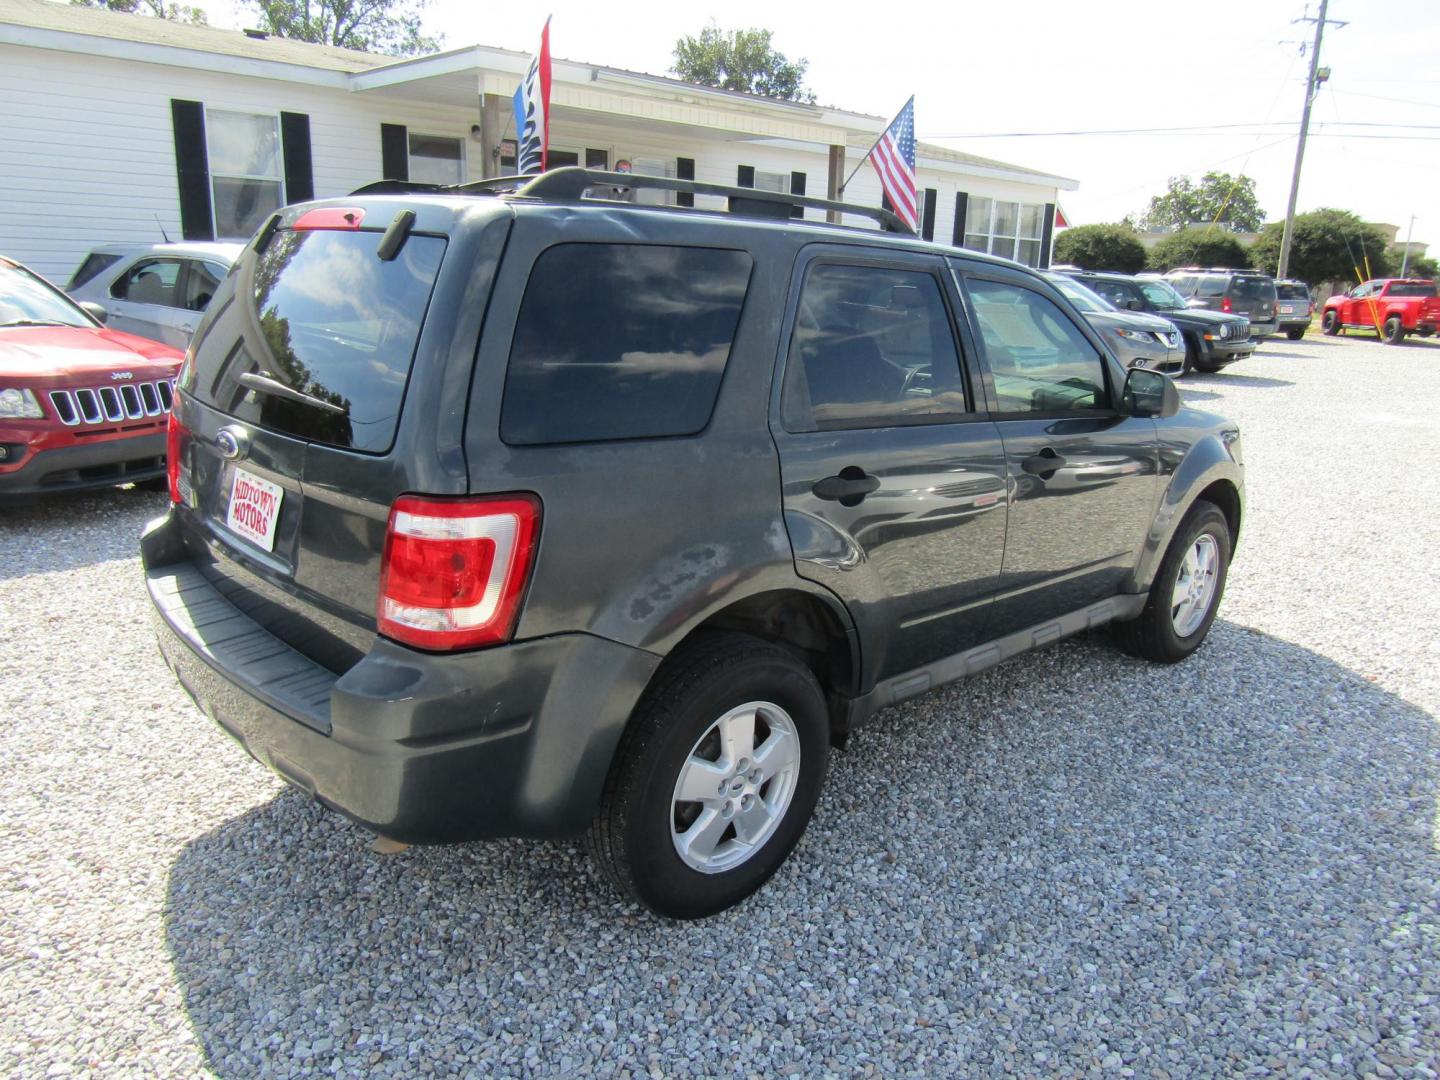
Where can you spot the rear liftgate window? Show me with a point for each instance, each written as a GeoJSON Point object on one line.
{"type": "Point", "coordinates": [621, 341]}
{"type": "Point", "coordinates": [329, 318]}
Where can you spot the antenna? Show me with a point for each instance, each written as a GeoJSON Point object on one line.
{"type": "Point", "coordinates": [162, 227]}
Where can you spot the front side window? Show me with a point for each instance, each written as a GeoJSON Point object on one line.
{"type": "Point", "coordinates": [246, 170]}
{"type": "Point", "coordinates": [872, 347]}
{"type": "Point", "coordinates": [1040, 360]}
{"type": "Point", "coordinates": [621, 341]}
{"type": "Point", "coordinates": [1162, 297]}
{"type": "Point", "coordinates": [1013, 230]}
{"type": "Point", "coordinates": [154, 281]}
{"type": "Point", "coordinates": [435, 159]}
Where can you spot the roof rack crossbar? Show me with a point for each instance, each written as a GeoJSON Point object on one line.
{"type": "Point", "coordinates": [571, 182]}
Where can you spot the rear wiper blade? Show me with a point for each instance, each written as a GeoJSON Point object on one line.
{"type": "Point", "coordinates": [270, 386]}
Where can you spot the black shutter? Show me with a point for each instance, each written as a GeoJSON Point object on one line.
{"type": "Point", "coordinates": [192, 169]}
{"type": "Point", "coordinates": [962, 203]}
{"type": "Point", "coordinates": [1047, 236]}
{"type": "Point", "coordinates": [927, 216]}
{"type": "Point", "coordinates": [885, 203]}
{"type": "Point", "coordinates": [797, 187]}
{"type": "Point", "coordinates": [394, 152]}
{"type": "Point", "coordinates": [745, 176]}
{"type": "Point", "coordinates": [685, 170]}
{"type": "Point", "coordinates": [295, 143]}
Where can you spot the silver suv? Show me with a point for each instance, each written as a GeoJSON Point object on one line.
{"type": "Point", "coordinates": [1236, 292]}
{"type": "Point", "coordinates": [158, 291]}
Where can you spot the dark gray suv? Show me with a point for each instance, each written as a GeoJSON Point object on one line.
{"type": "Point", "coordinates": [503, 512]}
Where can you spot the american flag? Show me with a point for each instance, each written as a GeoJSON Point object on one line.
{"type": "Point", "coordinates": [894, 159]}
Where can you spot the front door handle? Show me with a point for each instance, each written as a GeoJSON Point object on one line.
{"type": "Point", "coordinates": [1043, 464]}
{"type": "Point", "coordinates": [852, 485]}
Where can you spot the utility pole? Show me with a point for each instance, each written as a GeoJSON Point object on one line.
{"type": "Point", "coordinates": [1409, 235]}
{"type": "Point", "coordinates": [1312, 87]}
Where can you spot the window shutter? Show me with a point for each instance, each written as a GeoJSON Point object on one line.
{"type": "Point", "coordinates": [927, 215]}
{"type": "Point", "coordinates": [685, 170]}
{"type": "Point", "coordinates": [797, 187]}
{"type": "Point", "coordinates": [962, 203]}
{"type": "Point", "coordinates": [1048, 236]}
{"type": "Point", "coordinates": [745, 176]}
{"type": "Point", "coordinates": [394, 152]}
{"type": "Point", "coordinates": [295, 144]}
{"type": "Point", "coordinates": [192, 169]}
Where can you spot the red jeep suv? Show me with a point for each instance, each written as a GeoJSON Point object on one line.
{"type": "Point", "coordinates": [80, 406]}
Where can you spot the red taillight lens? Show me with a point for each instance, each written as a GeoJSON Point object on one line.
{"type": "Point", "coordinates": [173, 430]}
{"type": "Point", "coordinates": [329, 217]}
{"type": "Point", "coordinates": [1225, 304]}
{"type": "Point", "coordinates": [454, 570]}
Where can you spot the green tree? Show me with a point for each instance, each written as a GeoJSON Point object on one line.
{"type": "Point", "coordinates": [160, 9]}
{"type": "Point", "coordinates": [1219, 198]}
{"type": "Point", "coordinates": [1420, 266]}
{"type": "Point", "coordinates": [1200, 246]}
{"type": "Point", "coordinates": [1328, 246]}
{"type": "Point", "coordinates": [380, 26]}
{"type": "Point", "coordinates": [741, 60]}
{"type": "Point", "coordinates": [1101, 247]}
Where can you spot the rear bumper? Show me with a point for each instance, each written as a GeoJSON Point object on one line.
{"type": "Point", "coordinates": [103, 463]}
{"type": "Point", "coordinates": [510, 741]}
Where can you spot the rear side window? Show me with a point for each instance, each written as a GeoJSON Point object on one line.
{"type": "Point", "coordinates": [1411, 288]}
{"type": "Point", "coordinates": [1211, 285]}
{"type": "Point", "coordinates": [336, 323]}
{"type": "Point", "coordinates": [1184, 284]}
{"type": "Point", "coordinates": [621, 341]}
{"type": "Point", "coordinates": [91, 267]}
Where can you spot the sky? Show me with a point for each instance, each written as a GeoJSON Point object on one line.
{"type": "Point", "coordinates": [1036, 66]}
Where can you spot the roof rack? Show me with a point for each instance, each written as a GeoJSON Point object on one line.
{"type": "Point", "coordinates": [571, 182]}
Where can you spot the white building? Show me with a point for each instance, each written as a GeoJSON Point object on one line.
{"type": "Point", "coordinates": [118, 126]}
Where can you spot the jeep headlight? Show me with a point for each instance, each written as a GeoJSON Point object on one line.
{"type": "Point", "coordinates": [18, 404]}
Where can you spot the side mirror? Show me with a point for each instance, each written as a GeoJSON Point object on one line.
{"type": "Point", "coordinates": [95, 311]}
{"type": "Point", "coordinates": [1135, 305]}
{"type": "Point", "coordinates": [1149, 393]}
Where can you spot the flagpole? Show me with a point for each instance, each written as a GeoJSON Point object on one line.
{"type": "Point", "coordinates": [875, 144]}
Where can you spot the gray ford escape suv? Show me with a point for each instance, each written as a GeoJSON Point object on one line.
{"type": "Point", "coordinates": [502, 512]}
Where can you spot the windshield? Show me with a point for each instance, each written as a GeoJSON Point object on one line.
{"type": "Point", "coordinates": [27, 300]}
{"type": "Point", "coordinates": [1078, 295]}
{"type": "Point", "coordinates": [1411, 288]}
{"type": "Point", "coordinates": [1161, 296]}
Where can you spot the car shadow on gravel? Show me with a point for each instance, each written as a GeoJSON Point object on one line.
{"type": "Point", "coordinates": [1223, 866]}
{"type": "Point", "coordinates": [1220, 378]}
{"type": "Point", "coordinates": [50, 533]}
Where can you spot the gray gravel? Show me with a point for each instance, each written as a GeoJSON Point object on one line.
{"type": "Point", "coordinates": [1076, 864]}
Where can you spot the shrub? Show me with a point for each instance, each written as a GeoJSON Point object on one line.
{"type": "Point", "coordinates": [1101, 247]}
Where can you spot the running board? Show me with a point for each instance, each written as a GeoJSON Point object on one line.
{"type": "Point", "coordinates": [909, 684]}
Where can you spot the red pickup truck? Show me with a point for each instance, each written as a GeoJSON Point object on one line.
{"type": "Point", "coordinates": [1392, 307]}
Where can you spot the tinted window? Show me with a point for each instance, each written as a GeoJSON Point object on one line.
{"type": "Point", "coordinates": [200, 284]}
{"type": "Point", "coordinates": [871, 347]}
{"type": "Point", "coordinates": [1118, 293]}
{"type": "Point", "coordinates": [154, 281]}
{"type": "Point", "coordinates": [621, 341]}
{"type": "Point", "coordinates": [1411, 288]}
{"type": "Point", "coordinates": [1039, 358]}
{"type": "Point", "coordinates": [1292, 292]}
{"type": "Point", "coordinates": [336, 323]}
{"type": "Point", "coordinates": [1213, 285]}
{"type": "Point", "coordinates": [90, 267]}
{"type": "Point", "coordinates": [1183, 284]}
{"type": "Point", "coordinates": [1252, 288]}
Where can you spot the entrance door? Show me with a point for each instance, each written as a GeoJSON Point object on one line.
{"type": "Point", "coordinates": [893, 480]}
{"type": "Point", "coordinates": [1082, 473]}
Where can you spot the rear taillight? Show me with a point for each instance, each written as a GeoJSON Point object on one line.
{"type": "Point", "coordinates": [173, 430]}
{"type": "Point", "coordinates": [1312, 307]}
{"type": "Point", "coordinates": [455, 570]}
{"type": "Point", "coordinates": [1225, 304]}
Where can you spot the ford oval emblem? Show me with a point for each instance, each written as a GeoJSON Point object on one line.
{"type": "Point", "coordinates": [230, 443]}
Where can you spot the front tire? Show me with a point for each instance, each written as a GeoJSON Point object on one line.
{"type": "Point", "coordinates": [716, 776]}
{"type": "Point", "coordinates": [1186, 592]}
{"type": "Point", "coordinates": [1394, 332]}
{"type": "Point", "coordinates": [1330, 323]}
{"type": "Point", "coordinates": [1192, 355]}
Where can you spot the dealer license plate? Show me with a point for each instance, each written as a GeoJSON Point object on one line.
{"type": "Point", "coordinates": [254, 508]}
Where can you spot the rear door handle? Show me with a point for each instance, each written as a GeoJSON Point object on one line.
{"type": "Point", "coordinates": [1043, 464]}
{"type": "Point", "coordinates": [852, 485]}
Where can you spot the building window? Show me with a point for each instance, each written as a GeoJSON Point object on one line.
{"type": "Point", "coordinates": [246, 170]}
{"type": "Point", "coordinates": [435, 159]}
{"type": "Point", "coordinates": [772, 181]}
{"type": "Point", "coordinates": [1011, 229]}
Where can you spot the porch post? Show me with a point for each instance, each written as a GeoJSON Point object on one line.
{"type": "Point", "coordinates": [495, 110]}
{"type": "Point", "coordinates": [837, 177]}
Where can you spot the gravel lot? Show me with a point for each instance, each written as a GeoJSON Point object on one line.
{"type": "Point", "coordinates": [1075, 864]}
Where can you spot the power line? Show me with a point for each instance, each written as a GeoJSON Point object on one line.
{"type": "Point", "coordinates": [1200, 128]}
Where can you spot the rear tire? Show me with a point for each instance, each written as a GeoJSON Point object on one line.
{"type": "Point", "coordinates": [706, 721]}
{"type": "Point", "coordinates": [1186, 592]}
{"type": "Point", "coordinates": [1192, 356]}
{"type": "Point", "coordinates": [1330, 323]}
{"type": "Point", "coordinates": [1295, 333]}
{"type": "Point", "coordinates": [1394, 332]}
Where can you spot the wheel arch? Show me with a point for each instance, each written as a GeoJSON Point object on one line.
{"type": "Point", "coordinates": [1212, 471]}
